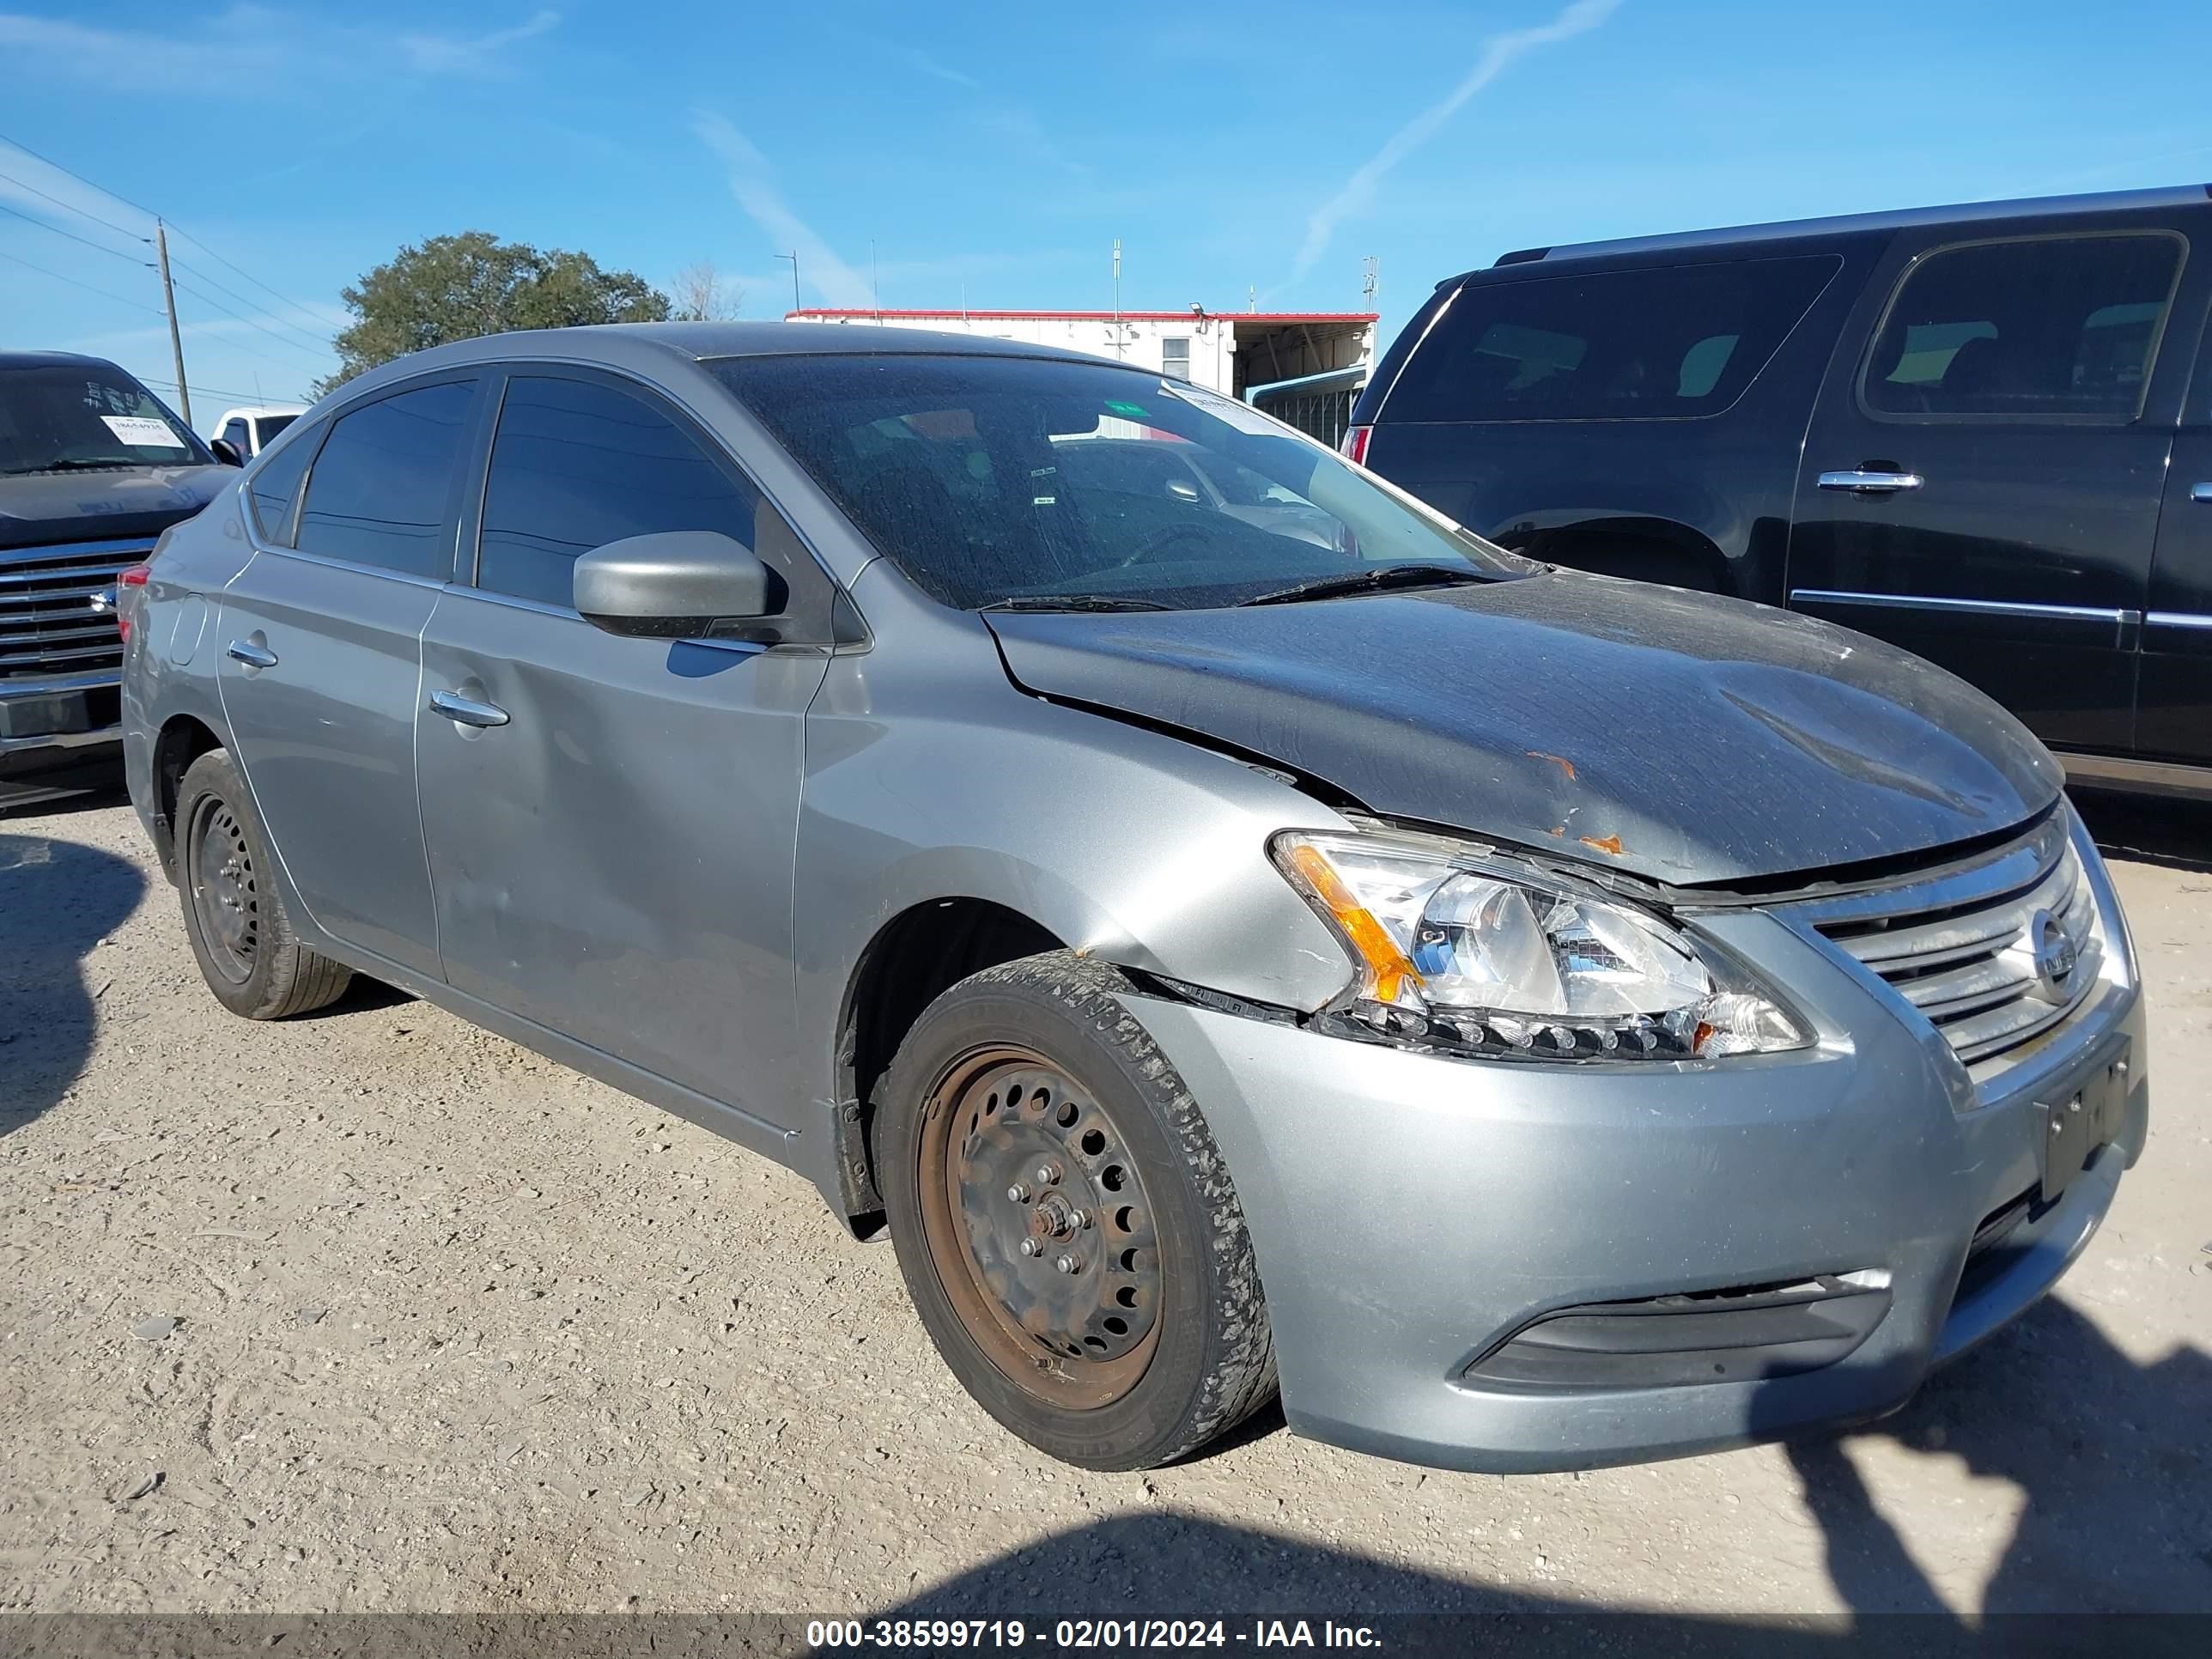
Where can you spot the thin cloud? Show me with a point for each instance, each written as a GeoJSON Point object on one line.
{"type": "Point", "coordinates": [246, 50]}
{"type": "Point", "coordinates": [1358, 191]}
{"type": "Point", "coordinates": [930, 66]}
{"type": "Point", "coordinates": [752, 181]}
{"type": "Point", "coordinates": [448, 54]}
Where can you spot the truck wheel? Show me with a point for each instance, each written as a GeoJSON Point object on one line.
{"type": "Point", "coordinates": [247, 952]}
{"type": "Point", "coordinates": [1064, 1222]}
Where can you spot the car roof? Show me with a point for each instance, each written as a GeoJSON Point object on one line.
{"type": "Point", "coordinates": [52, 360]}
{"type": "Point", "coordinates": [1854, 224]}
{"type": "Point", "coordinates": [643, 347]}
{"type": "Point", "coordinates": [254, 411]}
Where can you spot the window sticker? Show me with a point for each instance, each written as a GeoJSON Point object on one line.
{"type": "Point", "coordinates": [143, 432]}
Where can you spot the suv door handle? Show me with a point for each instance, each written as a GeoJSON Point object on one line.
{"type": "Point", "coordinates": [2201, 493]}
{"type": "Point", "coordinates": [467, 711]}
{"type": "Point", "coordinates": [1858, 483]}
{"type": "Point", "coordinates": [252, 655]}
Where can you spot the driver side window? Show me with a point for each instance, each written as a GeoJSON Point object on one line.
{"type": "Point", "coordinates": [578, 464]}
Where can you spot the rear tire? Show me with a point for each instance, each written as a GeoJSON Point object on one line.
{"type": "Point", "coordinates": [233, 915]}
{"type": "Point", "coordinates": [1026, 1106]}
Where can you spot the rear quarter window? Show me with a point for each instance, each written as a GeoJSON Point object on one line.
{"type": "Point", "coordinates": [1672, 343]}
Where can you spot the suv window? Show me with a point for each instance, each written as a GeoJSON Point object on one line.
{"type": "Point", "coordinates": [1680, 341]}
{"type": "Point", "coordinates": [577, 464]}
{"type": "Point", "coordinates": [2049, 328]}
{"type": "Point", "coordinates": [382, 483]}
{"type": "Point", "coordinates": [272, 484]}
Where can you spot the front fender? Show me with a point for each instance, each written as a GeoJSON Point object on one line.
{"type": "Point", "coordinates": [928, 782]}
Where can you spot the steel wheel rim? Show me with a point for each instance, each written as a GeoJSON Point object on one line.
{"type": "Point", "coordinates": [226, 897]}
{"type": "Point", "coordinates": [999, 1120]}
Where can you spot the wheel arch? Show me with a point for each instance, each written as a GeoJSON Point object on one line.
{"type": "Point", "coordinates": [910, 960]}
{"type": "Point", "coordinates": [182, 740]}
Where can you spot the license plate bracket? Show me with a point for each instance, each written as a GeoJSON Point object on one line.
{"type": "Point", "coordinates": [2078, 1119]}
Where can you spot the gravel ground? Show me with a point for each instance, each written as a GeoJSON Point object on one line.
{"type": "Point", "coordinates": [455, 1328]}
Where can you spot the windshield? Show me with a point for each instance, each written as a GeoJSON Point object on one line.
{"type": "Point", "coordinates": [67, 417]}
{"type": "Point", "coordinates": [269, 426]}
{"type": "Point", "coordinates": [989, 480]}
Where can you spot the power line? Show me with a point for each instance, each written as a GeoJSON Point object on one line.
{"type": "Point", "coordinates": [71, 207]}
{"type": "Point", "coordinates": [134, 206]}
{"type": "Point", "coordinates": [225, 392]}
{"type": "Point", "coordinates": [175, 229]}
{"type": "Point", "coordinates": [96, 247]}
{"type": "Point", "coordinates": [151, 311]}
{"type": "Point", "coordinates": [186, 235]}
{"type": "Point", "coordinates": [319, 345]}
{"type": "Point", "coordinates": [250, 323]}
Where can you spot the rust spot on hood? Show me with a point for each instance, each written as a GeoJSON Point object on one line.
{"type": "Point", "coordinates": [1608, 844]}
{"type": "Point", "coordinates": [1559, 761]}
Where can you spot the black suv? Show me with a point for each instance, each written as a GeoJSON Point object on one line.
{"type": "Point", "coordinates": [93, 468]}
{"type": "Point", "coordinates": [1983, 432]}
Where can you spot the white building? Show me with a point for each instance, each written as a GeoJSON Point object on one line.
{"type": "Point", "coordinates": [1303, 367]}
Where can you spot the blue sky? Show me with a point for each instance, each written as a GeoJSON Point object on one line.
{"type": "Point", "coordinates": [992, 152]}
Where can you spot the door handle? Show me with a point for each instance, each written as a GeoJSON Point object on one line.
{"type": "Point", "coordinates": [252, 655]}
{"type": "Point", "coordinates": [466, 711]}
{"type": "Point", "coordinates": [2201, 493]}
{"type": "Point", "coordinates": [1856, 481]}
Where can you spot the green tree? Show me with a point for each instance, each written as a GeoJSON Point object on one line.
{"type": "Point", "coordinates": [456, 288]}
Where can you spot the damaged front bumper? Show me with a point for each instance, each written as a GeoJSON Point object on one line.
{"type": "Point", "coordinates": [1519, 1267]}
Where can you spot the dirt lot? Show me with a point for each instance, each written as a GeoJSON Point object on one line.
{"type": "Point", "coordinates": [457, 1330]}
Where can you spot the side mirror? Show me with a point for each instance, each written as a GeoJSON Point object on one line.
{"type": "Point", "coordinates": [226, 451]}
{"type": "Point", "coordinates": [678, 584]}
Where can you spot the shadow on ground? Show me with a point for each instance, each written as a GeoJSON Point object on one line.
{"type": "Point", "coordinates": [2148, 829]}
{"type": "Point", "coordinates": [2110, 1461]}
{"type": "Point", "coordinates": [58, 901]}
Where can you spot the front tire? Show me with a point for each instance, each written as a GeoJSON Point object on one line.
{"type": "Point", "coordinates": [1065, 1224]}
{"type": "Point", "coordinates": [233, 915]}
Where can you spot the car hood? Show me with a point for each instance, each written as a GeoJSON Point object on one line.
{"type": "Point", "coordinates": [39, 509]}
{"type": "Point", "coordinates": [1681, 736]}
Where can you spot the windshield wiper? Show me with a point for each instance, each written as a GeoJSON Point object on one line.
{"type": "Point", "coordinates": [1073, 602]}
{"type": "Point", "coordinates": [1365, 582]}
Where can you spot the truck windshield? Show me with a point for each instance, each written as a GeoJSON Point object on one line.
{"type": "Point", "coordinates": [68, 417]}
{"type": "Point", "coordinates": [992, 480]}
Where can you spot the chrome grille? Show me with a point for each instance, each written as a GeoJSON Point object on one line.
{"type": "Point", "coordinates": [48, 624]}
{"type": "Point", "coordinates": [1962, 949]}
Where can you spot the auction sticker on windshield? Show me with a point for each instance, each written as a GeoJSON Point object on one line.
{"type": "Point", "coordinates": [142, 431]}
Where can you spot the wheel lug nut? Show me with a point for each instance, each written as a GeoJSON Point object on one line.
{"type": "Point", "coordinates": [1019, 1194]}
{"type": "Point", "coordinates": [1080, 1218]}
{"type": "Point", "coordinates": [1068, 1264]}
{"type": "Point", "coordinates": [1047, 1175]}
{"type": "Point", "coordinates": [1030, 1247]}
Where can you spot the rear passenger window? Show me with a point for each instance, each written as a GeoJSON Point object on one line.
{"type": "Point", "coordinates": [1613, 345]}
{"type": "Point", "coordinates": [577, 464]}
{"type": "Point", "coordinates": [383, 483]}
{"type": "Point", "coordinates": [2052, 328]}
{"type": "Point", "coordinates": [271, 486]}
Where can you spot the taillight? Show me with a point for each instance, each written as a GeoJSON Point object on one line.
{"type": "Point", "coordinates": [130, 576]}
{"type": "Point", "coordinates": [1354, 444]}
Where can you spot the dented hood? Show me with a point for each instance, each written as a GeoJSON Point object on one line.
{"type": "Point", "coordinates": [1681, 736]}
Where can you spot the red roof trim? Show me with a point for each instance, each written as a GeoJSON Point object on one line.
{"type": "Point", "coordinates": [1100, 316]}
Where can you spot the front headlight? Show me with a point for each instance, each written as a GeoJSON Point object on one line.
{"type": "Point", "coordinates": [1472, 950]}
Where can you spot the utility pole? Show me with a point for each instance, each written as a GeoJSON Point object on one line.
{"type": "Point", "coordinates": [1118, 352]}
{"type": "Point", "coordinates": [793, 258]}
{"type": "Point", "coordinates": [875, 282]}
{"type": "Point", "coordinates": [1373, 285]}
{"type": "Point", "coordinates": [176, 340]}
